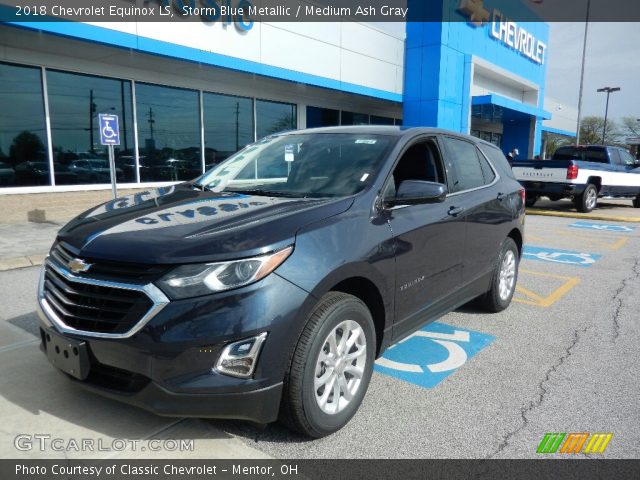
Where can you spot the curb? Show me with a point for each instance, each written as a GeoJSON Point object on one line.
{"type": "Point", "coordinates": [586, 216]}
{"type": "Point", "coordinates": [21, 262]}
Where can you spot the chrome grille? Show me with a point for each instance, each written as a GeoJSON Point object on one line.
{"type": "Point", "coordinates": [95, 307]}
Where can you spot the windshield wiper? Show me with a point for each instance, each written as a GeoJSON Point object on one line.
{"type": "Point", "coordinates": [268, 193]}
{"type": "Point", "coordinates": [201, 186]}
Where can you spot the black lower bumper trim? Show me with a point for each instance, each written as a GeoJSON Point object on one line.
{"type": "Point", "coordinates": [545, 188]}
{"type": "Point", "coordinates": [260, 406]}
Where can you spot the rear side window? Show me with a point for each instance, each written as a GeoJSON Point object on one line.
{"type": "Point", "coordinates": [468, 165]}
{"type": "Point", "coordinates": [615, 157]}
{"type": "Point", "coordinates": [497, 159]}
{"type": "Point", "coordinates": [487, 172]}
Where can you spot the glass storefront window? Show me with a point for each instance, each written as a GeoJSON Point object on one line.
{"type": "Point", "coordinates": [322, 117]}
{"type": "Point", "coordinates": [74, 104]}
{"type": "Point", "coordinates": [350, 118]}
{"type": "Point", "coordinates": [228, 126]}
{"type": "Point", "coordinates": [274, 117]}
{"type": "Point", "coordinates": [494, 138]}
{"type": "Point", "coordinates": [168, 133]}
{"type": "Point", "coordinates": [376, 120]}
{"type": "Point", "coordinates": [23, 139]}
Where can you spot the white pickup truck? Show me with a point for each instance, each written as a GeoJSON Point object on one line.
{"type": "Point", "coordinates": [582, 173]}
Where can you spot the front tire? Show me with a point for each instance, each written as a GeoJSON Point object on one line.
{"type": "Point", "coordinates": [331, 366]}
{"type": "Point", "coordinates": [504, 279]}
{"type": "Point", "coordinates": [588, 200]}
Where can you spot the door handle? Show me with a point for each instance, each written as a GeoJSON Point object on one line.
{"type": "Point", "coordinates": [501, 196]}
{"type": "Point", "coordinates": [455, 211]}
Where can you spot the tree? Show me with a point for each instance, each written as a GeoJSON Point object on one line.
{"type": "Point", "coordinates": [285, 122]}
{"type": "Point", "coordinates": [26, 146]}
{"type": "Point", "coordinates": [591, 130]}
{"type": "Point", "coordinates": [553, 142]}
{"type": "Point", "coordinates": [630, 127]}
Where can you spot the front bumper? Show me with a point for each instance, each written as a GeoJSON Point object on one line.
{"type": "Point", "coordinates": [260, 406]}
{"type": "Point", "coordinates": [167, 365]}
{"type": "Point", "coordinates": [551, 188]}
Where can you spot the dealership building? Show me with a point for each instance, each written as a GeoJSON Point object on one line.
{"type": "Point", "coordinates": [189, 94]}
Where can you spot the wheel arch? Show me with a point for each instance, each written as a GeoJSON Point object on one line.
{"type": "Point", "coordinates": [516, 236]}
{"type": "Point", "coordinates": [367, 291]}
{"type": "Point", "coordinates": [597, 181]}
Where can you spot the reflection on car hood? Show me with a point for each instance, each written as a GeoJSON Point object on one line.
{"type": "Point", "coordinates": [180, 224]}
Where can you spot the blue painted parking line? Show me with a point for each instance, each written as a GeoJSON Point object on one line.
{"type": "Point", "coordinates": [604, 227]}
{"type": "Point", "coordinates": [553, 255]}
{"type": "Point", "coordinates": [431, 354]}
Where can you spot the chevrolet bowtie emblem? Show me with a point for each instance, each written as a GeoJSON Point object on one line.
{"type": "Point", "coordinates": [77, 265]}
{"type": "Point", "coordinates": [475, 11]}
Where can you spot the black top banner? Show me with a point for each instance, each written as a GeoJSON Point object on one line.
{"type": "Point", "coordinates": [248, 11]}
{"type": "Point", "coordinates": [580, 469]}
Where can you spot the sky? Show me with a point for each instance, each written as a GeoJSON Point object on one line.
{"type": "Point", "coordinates": [612, 61]}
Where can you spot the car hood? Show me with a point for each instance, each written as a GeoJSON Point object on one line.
{"type": "Point", "coordinates": [183, 224]}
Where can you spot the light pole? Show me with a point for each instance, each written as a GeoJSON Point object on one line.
{"type": "Point", "coordinates": [584, 57]}
{"type": "Point", "coordinates": [608, 91]}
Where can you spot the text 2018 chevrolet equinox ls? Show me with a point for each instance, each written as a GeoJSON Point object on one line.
{"type": "Point", "coordinates": [266, 288]}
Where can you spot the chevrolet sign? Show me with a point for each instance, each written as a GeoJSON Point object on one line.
{"type": "Point", "coordinates": [504, 30]}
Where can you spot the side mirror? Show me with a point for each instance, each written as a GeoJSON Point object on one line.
{"type": "Point", "coordinates": [418, 192]}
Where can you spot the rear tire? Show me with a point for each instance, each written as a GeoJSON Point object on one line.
{"type": "Point", "coordinates": [328, 378]}
{"type": "Point", "coordinates": [530, 201]}
{"type": "Point", "coordinates": [588, 200]}
{"type": "Point", "coordinates": [504, 279]}
{"type": "Point", "coordinates": [554, 198]}
{"type": "Point", "coordinates": [636, 202]}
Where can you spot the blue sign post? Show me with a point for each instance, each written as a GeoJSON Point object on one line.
{"type": "Point", "coordinates": [110, 136]}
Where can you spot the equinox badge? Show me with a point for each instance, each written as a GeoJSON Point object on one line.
{"type": "Point", "coordinates": [77, 265]}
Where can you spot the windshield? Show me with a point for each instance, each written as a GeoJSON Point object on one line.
{"type": "Point", "coordinates": [302, 165]}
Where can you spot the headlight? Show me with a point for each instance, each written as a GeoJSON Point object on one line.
{"type": "Point", "coordinates": [202, 279]}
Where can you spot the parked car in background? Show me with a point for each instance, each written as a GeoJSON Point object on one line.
{"type": "Point", "coordinates": [32, 173]}
{"type": "Point", "coordinates": [93, 171]}
{"type": "Point", "coordinates": [259, 297]}
{"type": "Point", "coordinates": [583, 173]}
{"type": "Point", "coordinates": [7, 174]}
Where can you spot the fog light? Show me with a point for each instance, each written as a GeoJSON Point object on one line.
{"type": "Point", "coordinates": [238, 359]}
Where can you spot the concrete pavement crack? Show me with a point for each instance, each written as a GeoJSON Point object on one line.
{"type": "Point", "coordinates": [619, 300]}
{"type": "Point", "coordinates": [542, 392]}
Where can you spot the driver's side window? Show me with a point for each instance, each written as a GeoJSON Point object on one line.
{"type": "Point", "coordinates": [420, 162]}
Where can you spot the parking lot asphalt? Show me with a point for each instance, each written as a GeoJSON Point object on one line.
{"type": "Point", "coordinates": [563, 358]}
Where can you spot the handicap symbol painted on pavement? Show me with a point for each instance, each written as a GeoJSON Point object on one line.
{"type": "Point", "coordinates": [581, 259]}
{"type": "Point", "coordinates": [431, 354]}
{"type": "Point", "coordinates": [604, 227]}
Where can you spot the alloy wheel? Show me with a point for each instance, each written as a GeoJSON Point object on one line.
{"type": "Point", "coordinates": [507, 275]}
{"type": "Point", "coordinates": [339, 367]}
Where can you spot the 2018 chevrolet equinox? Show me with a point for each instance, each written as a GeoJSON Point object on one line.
{"type": "Point", "coordinates": [266, 288]}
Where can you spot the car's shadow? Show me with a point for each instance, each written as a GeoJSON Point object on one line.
{"type": "Point", "coordinates": [472, 308]}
